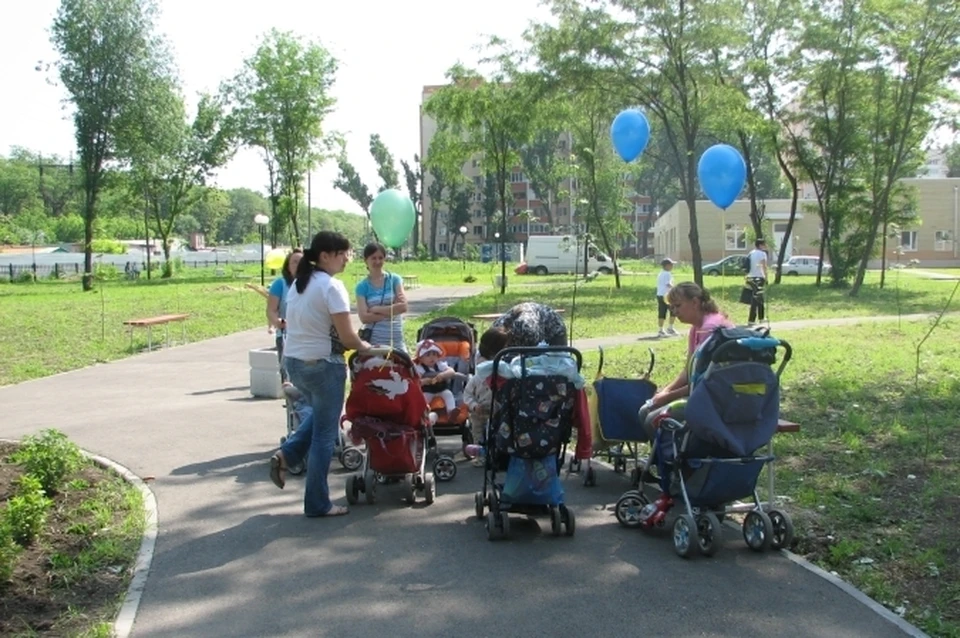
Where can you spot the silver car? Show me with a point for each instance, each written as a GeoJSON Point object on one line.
{"type": "Point", "coordinates": [803, 265]}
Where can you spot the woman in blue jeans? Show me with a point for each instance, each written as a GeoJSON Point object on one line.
{"type": "Point", "coordinates": [319, 332]}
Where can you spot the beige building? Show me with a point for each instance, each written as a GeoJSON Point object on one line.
{"type": "Point", "coordinates": [729, 232]}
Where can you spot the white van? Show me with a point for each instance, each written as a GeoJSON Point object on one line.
{"type": "Point", "coordinates": [560, 254]}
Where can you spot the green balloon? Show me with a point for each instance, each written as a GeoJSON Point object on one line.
{"type": "Point", "coordinates": [393, 216]}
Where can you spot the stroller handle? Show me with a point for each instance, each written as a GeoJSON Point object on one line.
{"type": "Point", "coordinates": [760, 343]}
{"type": "Point", "coordinates": [537, 350]}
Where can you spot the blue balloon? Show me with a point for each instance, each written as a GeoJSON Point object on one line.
{"type": "Point", "coordinates": [722, 173]}
{"type": "Point", "coordinates": [630, 133]}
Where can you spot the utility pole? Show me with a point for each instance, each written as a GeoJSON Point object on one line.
{"type": "Point", "coordinates": [309, 214]}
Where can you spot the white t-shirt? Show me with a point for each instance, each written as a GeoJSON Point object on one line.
{"type": "Point", "coordinates": [757, 257]}
{"type": "Point", "coordinates": [309, 325]}
{"type": "Point", "coordinates": [664, 280]}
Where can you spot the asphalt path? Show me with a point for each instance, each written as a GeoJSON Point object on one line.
{"type": "Point", "coordinates": [235, 556]}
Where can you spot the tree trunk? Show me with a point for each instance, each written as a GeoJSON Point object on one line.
{"type": "Point", "coordinates": [87, 279]}
{"type": "Point", "coordinates": [883, 256]}
{"type": "Point", "coordinates": [793, 213]}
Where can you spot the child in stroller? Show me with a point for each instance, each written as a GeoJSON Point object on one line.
{"type": "Point", "coordinates": [478, 395]}
{"type": "Point", "coordinates": [705, 447]}
{"type": "Point", "coordinates": [536, 401]}
{"type": "Point", "coordinates": [457, 342]}
{"type": "Point", "coordinates": [388, 412]}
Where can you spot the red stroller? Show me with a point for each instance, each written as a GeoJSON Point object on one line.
{"type": "Point", "coordinates": [387, 411]}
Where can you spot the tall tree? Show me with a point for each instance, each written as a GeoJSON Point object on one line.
{"type": "Point", "coordinates": [386, 169]}
{"type": "Point", "coordinates": [952, 153]}
{"type": "Point", "coordinates": [493, 116]}
{"type": "Point", "coordinates": [282, 97]}
{"type": "Point", "coordinates": [108, 50]}
{"type": "Point", "coordinates": [413, 177]}
{"type": "Point", "coordinates": [348, 182]}
{"type": "Point", "coordinates": [917, 55]}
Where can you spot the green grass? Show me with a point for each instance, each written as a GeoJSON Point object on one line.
{"type": "Point", "coordinates": [874, 471]}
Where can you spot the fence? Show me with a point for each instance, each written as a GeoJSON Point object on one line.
{"type": "Point", "coordinates": [16, 272]}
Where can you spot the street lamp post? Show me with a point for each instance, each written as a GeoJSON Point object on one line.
{"type": "Point", "coordinates": [262, 220]}
{"type": "Point", "coordinates": [463, 246]}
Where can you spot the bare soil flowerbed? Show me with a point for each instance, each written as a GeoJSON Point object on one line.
{"type": "Point", "coordinates": [72, 578]}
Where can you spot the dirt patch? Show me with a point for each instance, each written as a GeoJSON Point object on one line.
{"type": "Point", "coordinates": [48, 595]}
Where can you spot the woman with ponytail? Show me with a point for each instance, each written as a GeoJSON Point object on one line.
{"type": "Point", "coordinates": [319, 332]}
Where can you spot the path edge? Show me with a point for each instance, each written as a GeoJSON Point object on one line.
{"type": "Point", "coordinates": [123, 624]}
{"type": "Point", "coordinates": [901, 623]}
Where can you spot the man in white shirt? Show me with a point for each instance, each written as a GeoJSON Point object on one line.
{"type": "Point", "coordinates": [757, 280]}
{"type": "Point", "coordinates": [664, 284]}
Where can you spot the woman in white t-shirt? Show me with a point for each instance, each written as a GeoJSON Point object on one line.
{"type": "Point", "coordinates": [319, 332]}
{"type": "Point", "coordinates": [757, 281]}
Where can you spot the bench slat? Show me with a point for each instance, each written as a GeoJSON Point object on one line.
{"type": "Point", "coordinates": [153, 321]}
{"type": "Point", "coordinates": [787, 426]}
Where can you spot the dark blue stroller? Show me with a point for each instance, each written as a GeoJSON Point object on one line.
{"type": "Point", "coordinates": [532, 418]}
{"type": "Point", "coordinates": [617, 432]}
{"type": "Point", "coordinates": [706, 450]}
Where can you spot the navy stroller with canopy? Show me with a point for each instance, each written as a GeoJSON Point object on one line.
{"type": "Point", "coordinates": [705, 450]}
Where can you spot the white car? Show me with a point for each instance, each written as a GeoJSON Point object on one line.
{"type": "Point", "coordinates": [803, 265]}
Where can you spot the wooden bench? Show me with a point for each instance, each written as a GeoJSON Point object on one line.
{"type": "Point", "coordinates": [411, 282]}
{"type": "Point", "coordinates": [160, 320]}
{"type": "Point", "coordinates": [783, 426]}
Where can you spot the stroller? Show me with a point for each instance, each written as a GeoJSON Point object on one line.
{"type": "Point", "coordinates": [387, 411]}
{"type": "Point", "coordinates": [536, 401]}
{"type": "Point", "coordinates": [617, 434]}
{"type": "Point", "coordinates": [458, 339]}
{"type": "Point", "coordinates": [296, 410]}
{"type": "Point", "coordinates": [705, 450]}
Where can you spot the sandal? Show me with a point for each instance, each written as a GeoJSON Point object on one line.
{"type": "Point", "coordinates": [278, 470]}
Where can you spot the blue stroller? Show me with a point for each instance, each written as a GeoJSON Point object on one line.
{"type": "Point", "coordinates": [532, 417]}
{"type": "Point", "coordinates": [706, 450]}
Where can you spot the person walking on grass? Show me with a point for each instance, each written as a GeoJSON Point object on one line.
{"type": "Point", "coordinates": [757, 281]}
{"type": "Point", "coordinates": [664, 284]}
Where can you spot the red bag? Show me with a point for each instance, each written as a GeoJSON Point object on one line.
{"type": "Point", "coordinates": [581, 419]}
{"type": "Point", "coordinates": [391, 448]}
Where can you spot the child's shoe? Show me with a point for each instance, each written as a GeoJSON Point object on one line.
{"type": "Point", "coordinates": [654, 513]}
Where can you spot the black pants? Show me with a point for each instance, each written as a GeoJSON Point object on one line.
{"type": "Point", "coordinates": [757, 304]}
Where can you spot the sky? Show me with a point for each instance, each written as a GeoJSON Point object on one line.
{"type": "Point", "coordinates": [387, 50]}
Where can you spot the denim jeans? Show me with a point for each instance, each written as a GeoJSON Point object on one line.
{"type": "Point", "coordinates": [297, 445]}
{"type": "Point", "coordinates": [322, 384]}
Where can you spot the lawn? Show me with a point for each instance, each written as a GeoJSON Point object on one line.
{"type": "Point", "coordinates": [873, 478]}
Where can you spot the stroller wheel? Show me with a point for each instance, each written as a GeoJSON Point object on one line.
{"type": "Point", "coordinates": [685, 537]}
{"type": "Point", "coordinates": [569, 520]}
{"type": "Point", "coordinates": [353, 489]}
{"type": "Point", "coordinates": [575, 466]}
{"type": "Point", "coordinates": [478, 505]}
{"type": "Point", "coordinates": [370, 486]}
{"type": "Point", "coordinates": [629, 508]}
{"type": "Point", "coordinates": [351, 458]}
{"type": "Point", "coordinates": [590, 478]}
{"type": "Point", "coordinates": [409, 489]}
{"type": "Point", "coordinates": [429, 489]}
{"type": "Point", "coordinates": [709, 533]}
{"type": "Point", "coordinates": [782, 536]}
{"type": "Point", "coordinates": [556, 522]}
{"type": "Point", "coordinates": [504, 524]}
{"type": "Point", "coordinates": [493, 530]}
{"type": "Point", "coordinates": [494, 501]}
{"type": "Point", "coordinates": [444, 468]}
{"type": "Point", "coordinates": [757, 530]}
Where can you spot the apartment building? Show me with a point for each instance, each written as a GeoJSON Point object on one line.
{"type": "Point", "coordinates": [543, 218]}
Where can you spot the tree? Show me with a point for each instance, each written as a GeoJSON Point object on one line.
{"type": "Point", "coordinates": [448, 152]}
{"type": "Point", "coordinates": [386, 169]}
{"type": "Point", "coordinates": [282, 97]}
{"type": "Point", "coordinates": [108, 50]}
{"type": "Point", "coordinates": [174, 159]}
{"type": "Point", "coordinates": [349, 182]}
{"type": "Point", "coordinates": [413, 177]}
{"type": "Point", "coordinates": [545, 169]}
{"type": "Point", "coordinates": [953, 159]}
{"type": "Point", "coordinates": [492, 116]}
{"type": "Point", "coordinates": [917, 55]}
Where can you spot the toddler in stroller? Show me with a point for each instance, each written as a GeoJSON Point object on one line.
{"type": "Point", "coordinates": [456, 341]}
{"type": "Point", "coordinates": [388, 412]}
{"type": "Point", "coordinates": [705, 447]}
{"type": "Point", "coordinates": [536, 401]}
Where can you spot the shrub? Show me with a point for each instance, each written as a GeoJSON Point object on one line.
{"type": "Point", "coordinates": [9, 552]}
{"type": "Point", "coordinates": [49, 456]}
{"type": "Point", "coordinates": [107, 247]}
{"type": "Point", "coordinates": [26, 512]}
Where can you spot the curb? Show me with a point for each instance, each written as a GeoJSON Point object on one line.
{"type": "Point", "coordinates": [896, 620]}
{"type": "Point", "coordinates": [123, 625]}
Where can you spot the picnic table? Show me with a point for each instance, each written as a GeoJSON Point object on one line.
{"type": "Point", "coordinates": [159, 320]}
{"type": "Point", "coordinates": [411, 282]}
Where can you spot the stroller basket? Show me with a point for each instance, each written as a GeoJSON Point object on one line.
{"type": "Point", "coordinates": [716, 481]}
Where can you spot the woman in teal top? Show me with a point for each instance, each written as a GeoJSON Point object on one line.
{"type": "Point", "coordinates": [381, 300]}
{"type": "Point", "coordinates": [277, 301]}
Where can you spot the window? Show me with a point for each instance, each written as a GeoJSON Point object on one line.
{"type": "Point", "coordinates": [562, 211]}
{"type": "Point", "coordinates": [476, 163]}
{"type": "Point", "coordinates": [478, 181]}
{"type": "Point", "coordinates": [908, 240]}
{"type": "Point", "coordinates": [562, 145]}
{"type": "Point", "coordinates": [736, 237]}
{"type": "Point", "coordinates": [478, 196]}
{"type": "Point", "coordinates": [478, 231]}
{"type": "Point", "coordinates": [516, 176]}
{"type": "Point", "coordinates": [442, 248]}
{"type": "Point", "coordinates": [943, 240]}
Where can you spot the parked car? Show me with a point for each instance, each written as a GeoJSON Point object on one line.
{"type": "Point", "coordinates": [730, 265]}
{"type": "Point", "coordinates": [803, 265]}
